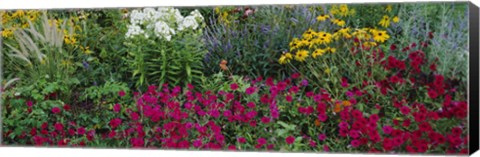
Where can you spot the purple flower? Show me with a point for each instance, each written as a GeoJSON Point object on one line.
{"type": "Point", "coordinates": [322, 137]}
{"type": "Point", "coordinates": [387, 130]}
{"type": "Point", "coordinates": [304, 82]}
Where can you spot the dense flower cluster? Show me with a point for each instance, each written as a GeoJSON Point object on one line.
{"type": "Point", "coordinates": [162, 23]}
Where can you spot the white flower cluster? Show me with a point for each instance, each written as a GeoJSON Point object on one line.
{"type": "Point", "coordinates": [163, 22]}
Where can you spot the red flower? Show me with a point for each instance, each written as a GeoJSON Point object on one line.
{"type": "Point", "coordinates": [432, 93]}
{"type": "Point", "coordinates": [457, 131]}
{"type": "Point", "coordinates": [56, 110]}
{"type": "Point", "coordinates": [393, 47]}
{"type": "Point", "coordinates": [344, 82]}
{"type": "Point", "coordinates": [66, 107]}
{"type": "Point", "coordinates": [112, 134]}
{"type": "Point", "coordinates": [117, 108]}
{"type": "Point", "coordinates": [387, 130]}
{"type": "Point", "coordinates": [405, 110]}
{"type": "Point", "coordinates": [261, 141]}
{"type": "Point", "coordinates": [290, 139]}
{"type": "Point", "coordinates": [289, 98]}
{"type": "Point", "coordinates": [29, 103]}
{"type": "Point", "coordinates": [58, 126]}
{"type": "Point", "coordinates": [115, 122]}
{"type": "Point", "coordinates": [242, 140]}
{"type": "Point", "coordinates": [232, 147]}
{"type": "Point", "coordinates": [234, 86]}
{"type": "Point", "coordinates": [250, 90]}
{"type": "Point", "coordinates": [295, 75]}
{"type": "Point", "coordinates": [265, 120]}
{"type": "Point", "coordinates": [355, 143]}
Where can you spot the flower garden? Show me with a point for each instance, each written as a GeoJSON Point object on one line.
{"type": "Point", "coordinates": [357, 78]}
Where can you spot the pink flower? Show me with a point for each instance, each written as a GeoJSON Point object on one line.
{"type": "Point", "coordinates": [344, 82]}
{"type": "Point", "coordinates": [242, 140]}
{"type": "Point", "coordinates": [56, 110]}
{"type": "Point", "coordinates": [81, 131]}
{"type": "Point", "coordinates": [115, 122]}
{"type": "Point", "coordinates": [66, 107]}
{"type": "Point", "coordinates": [405, 110]}
{"type": "Point", "coordinates": [387, 130]}
{"type": "Point", "coordinates": [233, 86]}
{"type": "Point", "coordinates": [58, 126]}
{"type": "Point", "coordinates": [116, 108]}
{"type": "Point", "coordinates": [197, 143]}
{"type": "Point", "coordinates": [289, 98]}
{"type": "Point", "coordinates": [251, 105]}
{"type": "Point", "coordinates": [355, 143]}
{"type": "Point", "coordinates": [29, 103]}
{"type": "Point", "coordinates": [265, 120]}
{"type": "Point", "coordinates": [232, 147]}
{"type": "Point", "coordinates": [322, 117]}
{"type": "Point", "coordinates": [261, 141]}
{"type": "Point", "coordinates": [290, 139]}
{"type": "Point", "coordinates": [326, 148]}
{"type": "Point", "coordinates": [313, 143]}
{"type": "Point", "coordinates": [121, 93]}
{"type": "Point", "coordinates": [250, 90]}
{"type": "Point", "coordinates": [322, 137]}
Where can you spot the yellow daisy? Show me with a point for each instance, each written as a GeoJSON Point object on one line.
{"type": "Point", "coordinates": [380, 36]}
{"type": "Point", "coordinates": [396, 19]}
{"type": "Point", "coordinates": [322, 17]}
{"type": "Point", "coordinates": [385, 22]}
{"type": "Point", "coordinates": [318, 52]}
{"type": "Point", "coordinates": [301, 55]}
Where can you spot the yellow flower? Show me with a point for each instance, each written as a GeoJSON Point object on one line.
{"type": "Point", "coordinates": [285, 58]}
{"type": "Point", "coordinates": [327, 71]}
{"type": "Point", "coordinates": [339, 22]}
{"type": "Point", "coordinates": [323, 38]}
{"type": "Point", "coordinates": [385, 22]}
{"type": "Point", "coordinates": [396, 19]}
{"type": "Point", "coordinates": [25, 25]}
{"type": "Point", "coordinates": [86, 50]}
{"type": "Point", "coordinates": [322, 17]}
{"type": "Point", "coordinates": [369, 44]}
{"type": "Point", "coordinates": [318, 52]}
{"type": "Point", "coordinates": [6, 33]}
{"type": "Point", "coordinates": [332, 50]}
{"type": "Point", "coordinates": [301, 55]}
{"type": "Point", "coordinates": [294, 44]}
{"type": "Point", "coordinates": [388, 8]}
{"type": "Point", "coordinates": [344, 10]}
{"type": "Point", "coordinates": [362, 34]}
{"type": "Point", "coordinates": [308, 34]}
{"type": "Point", "coordinates": [18, 14]}
{"type": "Point", "coordinates": [380, 36]}
{"type": "Point", "coordinates": [342, 32]}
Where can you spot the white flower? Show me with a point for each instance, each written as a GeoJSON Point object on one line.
{"type": "Point", "coordinates": [188, 22]}
{"type": "Point", "coordinates": [197, 14]}
{"type": "Point", "coordinates": [163, 30]}
{"type": "Point", "coordinates": [17, 94]}
{"type": "Point", "coordinates": [134, 30]}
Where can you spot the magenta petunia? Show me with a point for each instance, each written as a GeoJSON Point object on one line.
{"type": "Point", "coordinates": [116, 108]}
{"type": "Point", "coordinates": [322, 137]}
{"type": "Point", "coordinates": [121, 93]}
{"type": "Point", "coordinates": [355, 143]}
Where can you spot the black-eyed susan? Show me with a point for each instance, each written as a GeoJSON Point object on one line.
{"type": "Point", "coordinates": [7, 33]}
{"type": "Point", "coordinates": [362, 34]}
{"type": "Point", "coordinates": [318, 53]}
{"type": "Point", "coordinates": [308, 34]}
{"type": "Point", "coordinates": [285, 58]}
{"type": "Point", "coordinates": [323, 38]}
{"type": "Point", "coordinates": [301, 55]}
{"type": "Point", "coordinates": [395, 19]}
{"type": "Point", "coordinates": [294, 44]}
{"type": "Point", "coordinates": [385, 22]}
{"type": "Point", "coordinates": [339, 22]}
{"type": "Point", "coordinates": [380, 36]}
{"type": "Point", "coordinates": [323, 17]}
{"type": "Point", "coordinates": [331, 49]}
{"type": "Point", "coordinates": [344, 32]}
